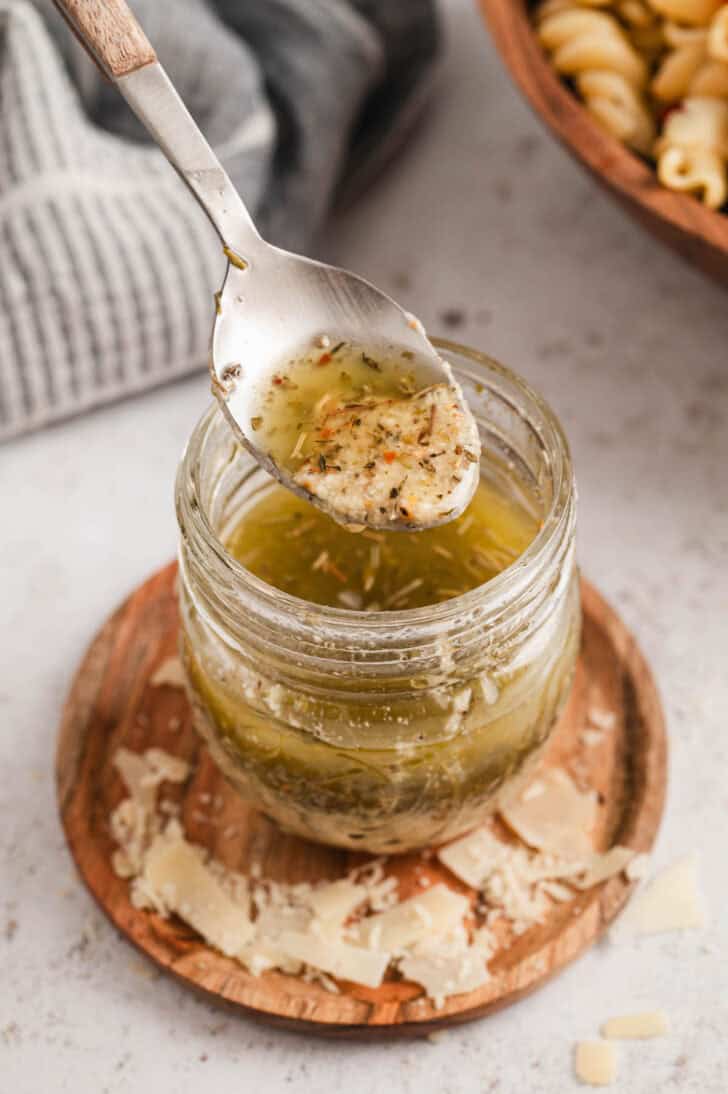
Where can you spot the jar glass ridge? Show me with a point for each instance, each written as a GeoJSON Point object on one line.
{"type": "Point", "coordinates": [391, 730]}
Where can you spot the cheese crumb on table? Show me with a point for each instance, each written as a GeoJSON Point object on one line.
{"type": "Point", "coordinates": [641, 1026]}
{"type": "Point", "coordinates": [595, 1063]}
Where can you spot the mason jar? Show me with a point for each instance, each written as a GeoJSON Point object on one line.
{"type": "Point", "coordinates": [393, 730]}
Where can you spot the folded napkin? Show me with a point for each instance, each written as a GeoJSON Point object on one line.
{"type": "Point", "coordinates": [107, 265]}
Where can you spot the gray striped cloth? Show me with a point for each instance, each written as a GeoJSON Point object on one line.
{"type": "Point", "coordinates": [107, 266]}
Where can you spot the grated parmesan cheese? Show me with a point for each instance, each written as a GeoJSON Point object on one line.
{"type": "Point", "coordinates": [637, 867]}
{"type": "Point", "coordinates": [606, 720]}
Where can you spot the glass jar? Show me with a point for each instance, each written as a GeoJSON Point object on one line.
{"type": "Point", "coordinates": [382, 731]}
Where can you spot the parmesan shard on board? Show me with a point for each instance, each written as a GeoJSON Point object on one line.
{"type": "Point", "coordinates": [337, 958]}
{"type": "Point", "coordinates": [334, 903]}
{"type": "Point", "coordinates": [552, 815]}
{"type": "Point", "coordinates": [442, 976]}
{"type": "Point", "coordinates": [437, 910]}
{"type": "Point", "coordinates": [176, 871]}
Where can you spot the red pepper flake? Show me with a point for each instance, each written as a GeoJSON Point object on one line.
{"type": "Point", "coordinates": [672, 109]}
{"type": "Point", "coordinates": [277, 380]}
{"type": "Point", "coordinates": [324, 359]}
{"type": "Point", "coordinates": [389, 457]}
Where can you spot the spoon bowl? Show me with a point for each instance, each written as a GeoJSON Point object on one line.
{"type": "Point", "coordinates": [269, 315]}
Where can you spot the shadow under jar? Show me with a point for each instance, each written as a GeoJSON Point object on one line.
{"type": "Point", "coordinates": [392, 730]}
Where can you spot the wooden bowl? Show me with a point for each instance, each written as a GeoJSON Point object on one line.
{"type": "Point", "coordinates": [697, 233]}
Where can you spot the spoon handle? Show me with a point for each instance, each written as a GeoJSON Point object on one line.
{"type": "Point", "coordinates": [112, 36]}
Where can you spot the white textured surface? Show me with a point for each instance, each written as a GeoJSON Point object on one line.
{"type": "Point", "coordinates": [483, 214]}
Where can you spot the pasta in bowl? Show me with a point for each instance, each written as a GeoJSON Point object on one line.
{"type": "Point", "coordinates": [638, 91]}
{"type": "Point", "coordinates": [654, 73]}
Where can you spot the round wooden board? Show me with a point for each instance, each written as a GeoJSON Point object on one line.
{"type": "Point", "coordinates": [112, 703]}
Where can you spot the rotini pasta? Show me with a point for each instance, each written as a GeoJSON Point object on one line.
{"type": "Point", "coordinates": [718, 36]}
{"type": "Point", "coordinates": [639, 65]}
{"type": "Point", "coordinates": [692, 12]}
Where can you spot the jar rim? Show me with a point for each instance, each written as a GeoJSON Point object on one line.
{"type": "Point", "coordinates": [490, 597]}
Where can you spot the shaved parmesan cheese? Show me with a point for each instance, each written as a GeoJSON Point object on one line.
{"type": "Point", "coordinates": [484, 942]}
{"type": "Point", "coordinates": [473, 857]}
{"type": "Point", "coordinates": [262, 954]}
{"type": "Point", "coordinates": [134, 771]}
{"type": "Point", "coordinates": [165, 767]}
{"type": "Point", "coordinates": [302, 928]}
{"type": "Point", "coordinates": [336, 958]}
{"type": "Point", "coordinates": [557, 891]}
{"type": "Point", "coordinates": [600, 867]}
{"type": "Point", "coordinates": [453, 942]}
{"type": "Point", "coordinates": [650, 1023]}
{"type": "Point", "coordinates": [434, 911]}
{"type": "Point", "coordinates": [671, 902]}
{"type": "Point", "coordinates": [596, 1063]}
{"type": "Point", "coordinates": [142, 773]}
{"type": "Point", "coordinates": [605, 720]}
{"type": "Point", "coordinates": [443, 976]}
{"type": "Point", "coordinates": [334, 903]}
{"type": "Point", "coordinates": [637, 867]}
{"type": "Point", "coordinates": [170, 673]}
{"type": "Point", "coordinates": [175, 871]}
{"type": "Point", "coordinates": [275, 919]}
{"type": "Point", "coordinates": [553, 815]}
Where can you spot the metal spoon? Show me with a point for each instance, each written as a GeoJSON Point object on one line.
{"type": "Point", "coordinates": [272, 303]}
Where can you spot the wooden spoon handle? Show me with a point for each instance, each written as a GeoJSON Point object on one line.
{"type": "Point", "coordinates": [109, 31]}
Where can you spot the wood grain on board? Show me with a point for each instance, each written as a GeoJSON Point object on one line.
{"type": "Point", "coordinates": [112, 703]}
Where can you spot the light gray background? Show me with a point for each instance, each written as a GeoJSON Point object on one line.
{"type": "Point", "coordinates": [486, 215]}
